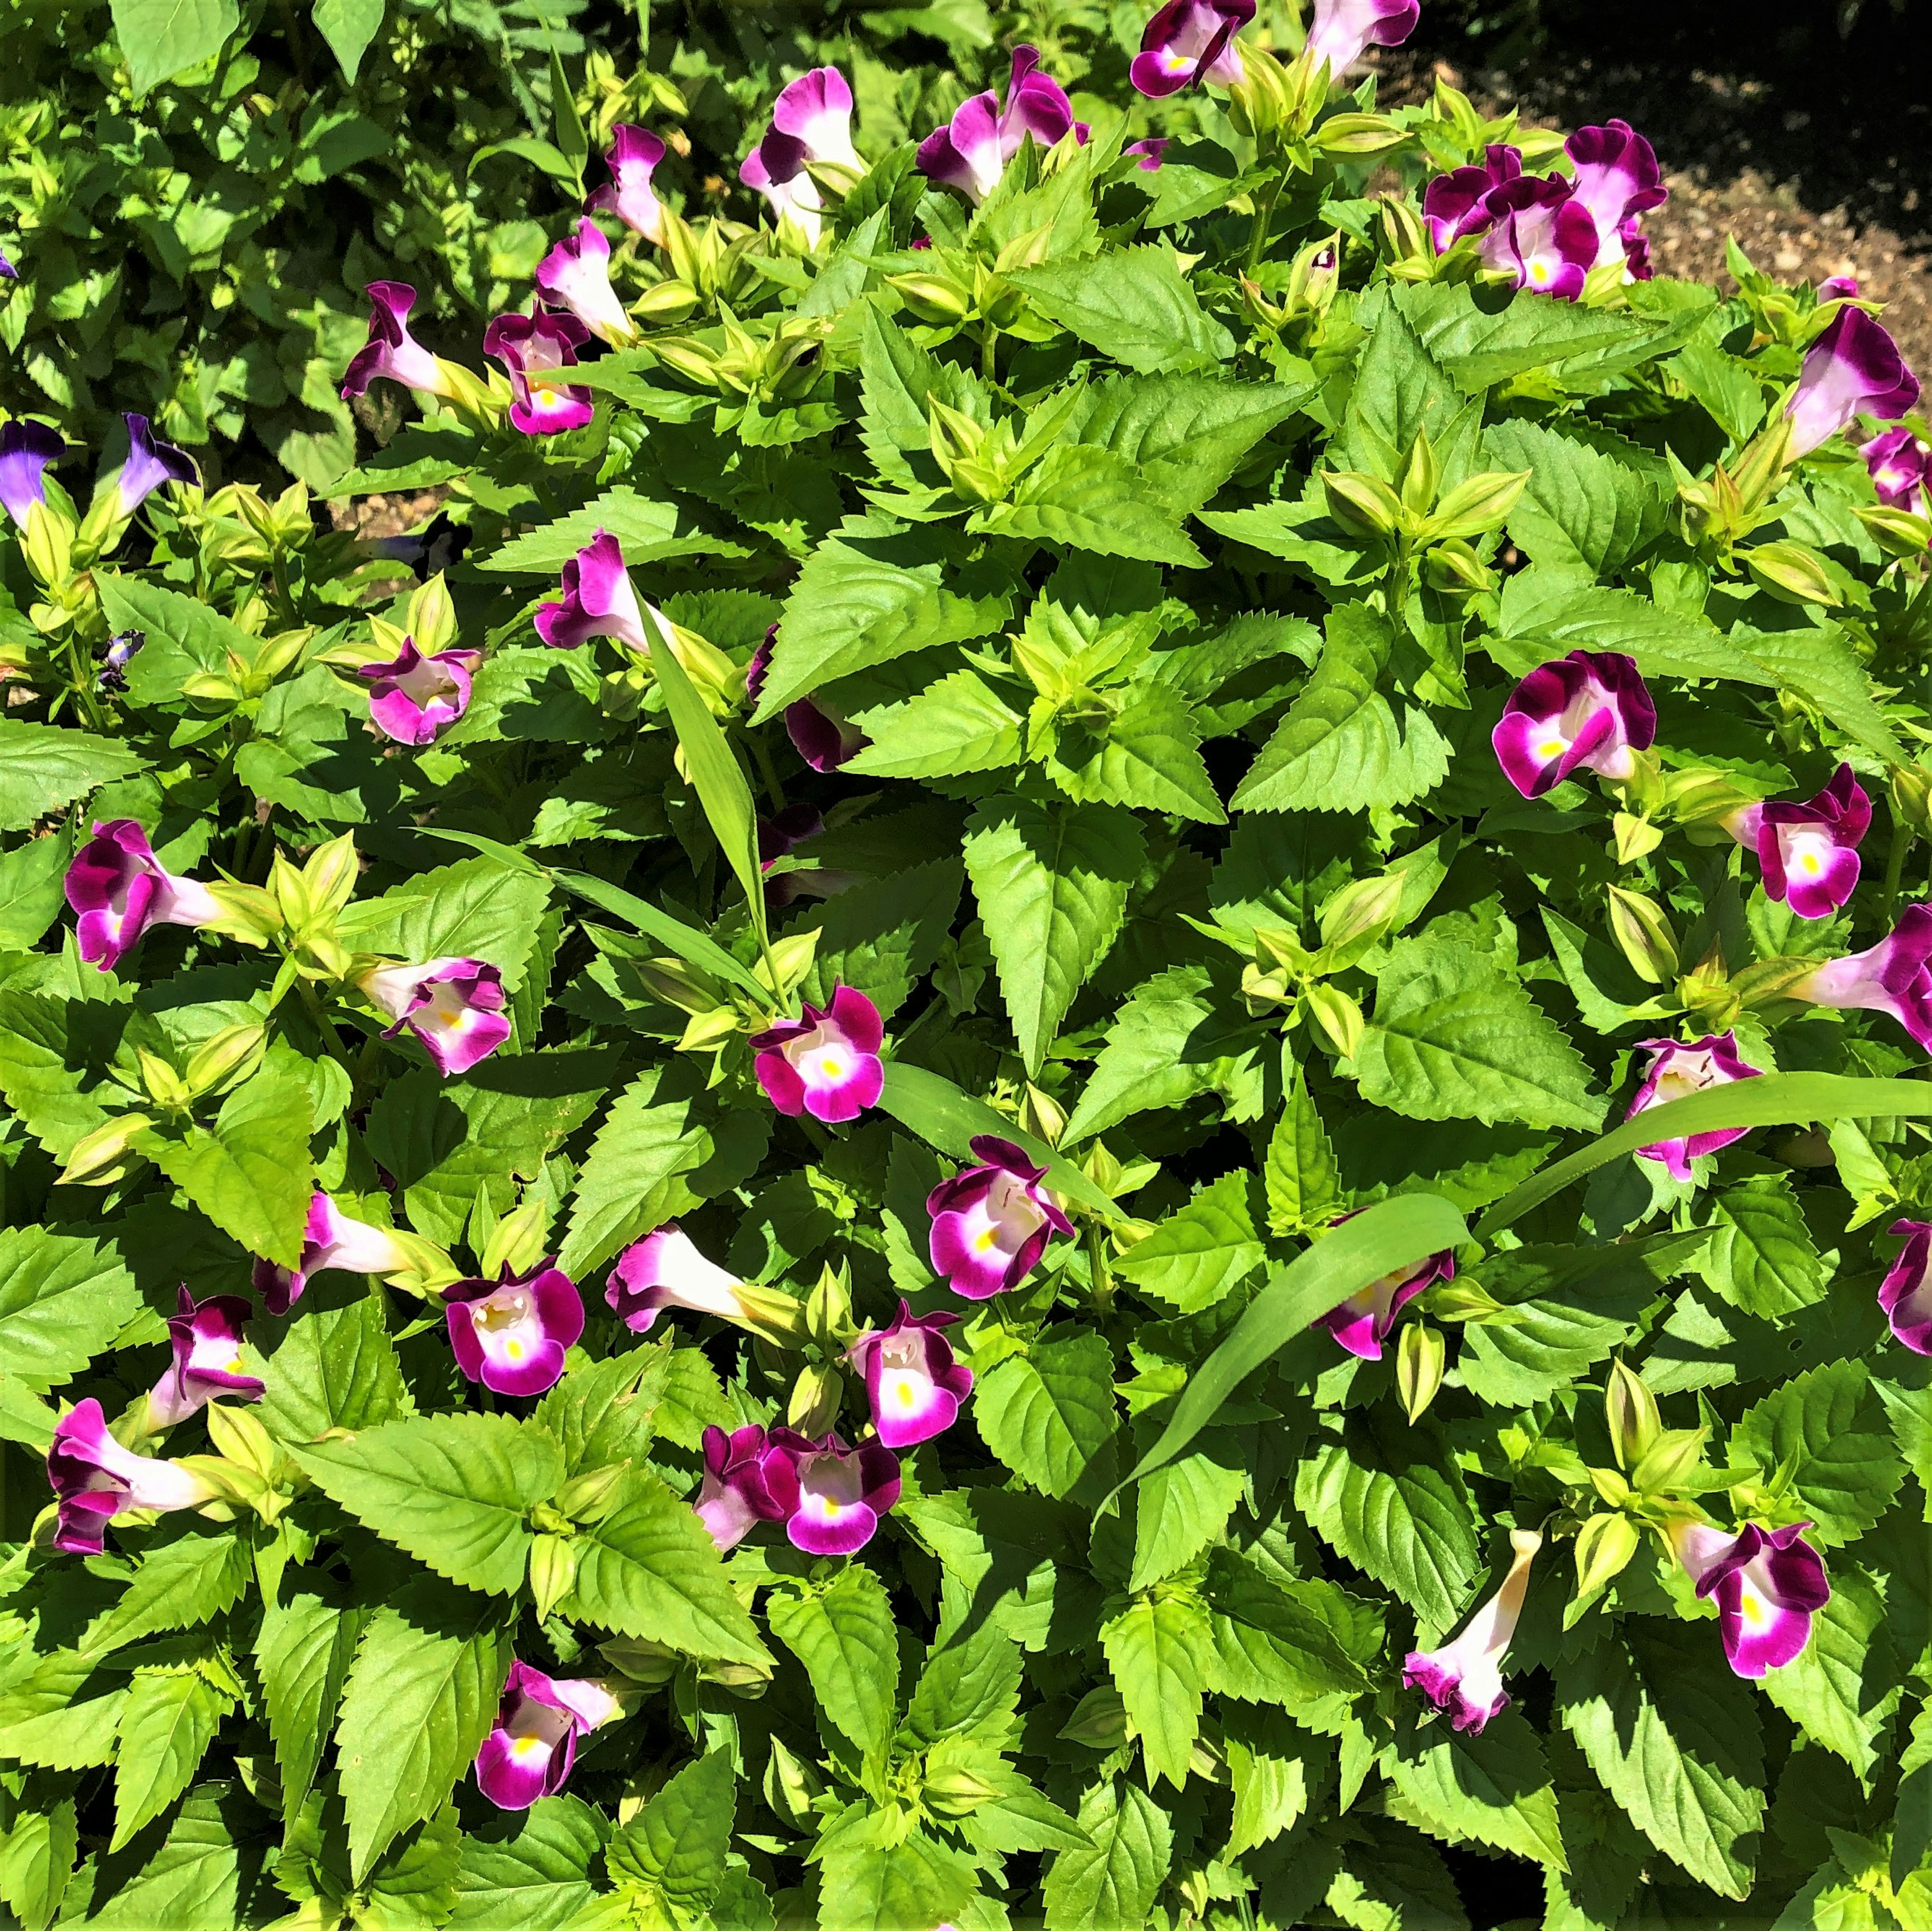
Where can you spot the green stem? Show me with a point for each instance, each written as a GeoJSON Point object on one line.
{"type": "Point", "coordinates": [325, 1027]}
{"type": "Point", "coordinates": [1895, 870]}
{"type": "Point", "coordinates": [989, 360]}
{"type": "Point", "coordinates": [767, 771]}
{"type": "Point", "coordinates": [1264, 217]}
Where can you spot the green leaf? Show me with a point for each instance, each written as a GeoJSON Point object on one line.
{"type": "Point", "coordinates": [643, 1144]}
{"type": "Point", "coordinates": [1131, 305]}
{"type": "Point", "coordinates": [1185, 434]}
{"type": "Point", "coordinates": [676, 1843]}
{"type": "Point", "coordinates": [1017, 1817]}
{"type": "Point", "coordinates": [160, 38]}
{"type": "Point", "coordinates": [334, 1367]}
{"type": "Point", "coordinates": [61, 1712]}
{"type": "Point", "coordinates": [1275, 1769]}
{"type": "Point", "coordinates": [451, 1489]}
{"type": "Point", "coordinates": [646, 531]}
{"type": "Point", "coordinates": [1112, 1886]}
{"type": "Point", "coordinates": [43, 766]}
{"type": "Point", "coordinates": [1489, 1787]}
{"type": "Point", "coordinates": [970, 1687]}
{"type": "Point", "coordinates": [1842, 1690]}
{"type": "Point", "coordinates": [170, 1719]}
{"type": "Point", "coordinates": [1049, 1413]}
{"type": "Point", "coordinates": [302, 1655]}
{"type": "Point", "coordinates": [1819, 666]}
{"type": "Point", "coordinates": [348, 26]}
{"type": "Point", "coordinates": [37, 1856]}
{"type": "Point", "coordinates": [1051, 882]}
{"type": "Point", "coordinates": [1149, 756]}
{"type": "Point", "coordinates": [1480, 346]}
{"type": "Point", "coordinates": [847, 1637]}
{"type": "Point", "coordinates": [601, 1411]}
{"type": "Point", "coordinates": [1158, 1649]}
{"type": "Point", "coordinates": [1179, 1509]}
{"type": "Point", "coordinates": [1581, 508]}
{"type": "Point", "coordinates": [871, 1887]}
{"type": "Point", "coordinates": [477, 908]}
{"type": "Point", "coordinates": [63, 1299]}
{"type": "Point", "coordinates": [192, 1878]}
{"type": "Point", "coordinates": [685, 940]}
{"type": "Point", "coordinates": [178, 1585]}
{"type": "Point", "coordinates": [529, 1870]}
{"type": "Point", "coordinates": [959, 724]}
{"type": "Point", "coordinates": [1198, 1256]}
{"type": "Point", "coordinates": [1762, 1257]}
{"type": "Point", "coordinates": [1091, 501]}
{"type": "Point", "coordinates": [1400, 391]}
{"type": "Point", "coordinates": [1830, 1422]}
{"type": "Point", "coordinates": [49, 1049]}
{"type": "Point", "coordinates": [1299, 1643]}
{"type": "Point", "coordinates": [1729, 391]}
{"type": "Point", "coordinates": [30, 897]}
{"type": "Point", "coordinates": [1547, 613]}
{"type": "Point", "coordinates": [883, 938]}
{"type": "Point", "coordinates": [1303, 1189]}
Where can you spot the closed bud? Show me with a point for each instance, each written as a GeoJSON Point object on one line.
{"type": "Point", "coordinates": [289, 890]}
{"type": "Point", "coordinates": [1761, 467]}
{"type": "Point", "coordinates": [587, 1497]}
{"type": "Point", "coordinates": [329, 879]}
{"type": "Point", "coordinates": [707, 1031]}
{"type": "Point", "coordinates": [1260, 990]}
{"type": "Point", "coordinates": [277, 655]}
{"type": "Point", "coordinates": [692, 360]}
{"type": "Point", "coordinates": [1912, 795]}
{"type": "Point", "coordinates": [212, 686]}
{"type": "Point", "coordinates": [1421, 475]}
{"type": "Point", "coordinates": [1420, 1357]}
{"type": "Point", "coordinates": [1359, 135]}
{"type": "Point", "coordinates": [679, 985]}
{"type": "Point", "coordinates": [431, 616]}
{"type": "Point", "coordinates": [49, 545]}
{"type": "Point", "coordinates": [670, 302]}
{"type": "Point", "coordinates": [1605, 1544]}
{"type": "Point", "coordinates": [791, 959]}
{"type": "Point", "coordinates": [1099, 1720]}
{"type": "Point", "coordinates": [1453, 567]}
{"type": "Point", "coordinates": [517, 1240]}
{"type": "Point", "coordinates": [553, 1571]}
{"type": "Point", "coordinates": [1630, 1409]}
{"type": "Point", "coordinates": [1042, 1115]}
{"type": "Point", "coordinates": [828, 1310]}
{"type": "Point", "coordinates": [1898, 532]}
{"type": "Point", "coordinates": [1403, 233]}
{"type": "Point", "coordinates": [956, 1790]}
{"type": "Point", "coordinates": [642, 1660]}
{"type": "Point", "coordinates": [161, 1082]}
{"type": "Point", "coordinates": [936, 298]}
{"type": "Point", "coordinates": [1670, 1461]}
{"type": "Point", "coordinates": [102, 1157]}
{"type": "Point", "coordinates": [1268, 96]}
{"type": "Point", "coordinates": [1364, 910]}
{"type": "Point", "coordinates": [1361, 502]}
{"type": "Point", "coordinates": [231, 1055]}
{"type": "Point", "coordinates": [791, 1785]}
{"type": "Point", "coordinates": [1792, 573]}
{"type": "Point", "coordinates": [953, 435]}
{"type": "Point", "coordinates": [1634, 838]}
{"type": "Point", "coordinates": [815, 1399]}
{"type": "Point", "coordinates": [1336, 1017]}
{"type": "Point", "coordinates": [1474, 507]}
{"type": "Point", "coordinates": [1644, 934]}
{"type": "Point", "coordinates": [240, 1438]}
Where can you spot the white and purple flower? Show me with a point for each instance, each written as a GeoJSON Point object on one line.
{"type": "Point", "coordinates": [1340, 29]}
{"type": "Point", "coordinates": [1853, 369]}
{"type": "Point", "coordinates": [414, 699]}
{"type": "Point", "coordinates": [1676, 1071]}
{"type": "Point", "coordinates": [818, 733]}
{"type": "Point", "coordinates": [911, 1379]}
{"type": "Point", "coordinates": [628, 194]}
{"type": "Point", "coordinates": [1892, 976]}
{"type": "Point", "coordinates": [1457, 203]}
{"type": "Point", "coordinates": [540, 340]}
{"type": "Point", "coordinates": [1465, 1678]}
{"type": "Point", "coordinates": [391, 350]}
{"type": "Point", "coordinates": [206, 1337]}
{"type": "Point", "coordinates": [733, 1498]}
{"type": "Point", "coordinates": [1589, 711]}
{"type": "Point", "coordinates": [598, 601]}
{"type": "Point", "coordinates": [1617, 180]}
{"type": "Point", "coordinates": [119, 889]}
{"type": "Point", "coordinates": [26, 448]}
{"type": "Point", "coordinates": [576, 274]}
{"type": "Point", "coordinates": [330, 1238]}
{"type": "Point", "coordinates": [1541, 234]}
{"type": "Point", "coordinates": [1189, 42]}
{"type": "Point", "coordinates": [970, 152]}
{"type": "Point", "coordinates": [1900, 466]}
{"type": "Point", "coordinates": [1362, 1322]}
{"type": "Point", "coordinates": [115, 656]}
{"type": "Point", "coordinates": [148, 466]}
{"type": "Point", "coordinates": [1769, 1585]}
{"type": "Point", "coordinates": [532, 1744]}
{"type": "Point", "coordinates": [454, 1007]}
{"type": "Point", "coordinates": [665, 1269]}
{"type": "Point", "coordinates": [512, 1334]}
{"type": "Point", "coordinates": [1809, 852]}
{"type": "Point", "coordinates": [95, 1479]}
{"type": "Point", "coordinates": [831, 1496]}
{"type": "Point", "coordinates": [991, 1223]}
{"type": "Point", "coordinates": [811, 121]}
{"type": "Point", "coordinates": [1905, 1294]}
{"type": "Point", "coordinates": [826, 1063]}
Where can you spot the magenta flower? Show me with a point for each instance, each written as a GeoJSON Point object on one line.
{"type": "Point", "coordinates": [148, 466]}
{"type": "Point", "coordinates": [414, 699]}
{"type": "Point", "coordinates": [1675, 1072]}
{"type": "Point", "coordinates": [1617, 180]}
{"type": "Point", "coordinates": [1892, 977]}
{"type": "Point", "coordinates": [911, 1379]}
{"type": "Point", "coordinates": [26, 448]}
{"type": "Point", "coordinates": [330, 1238]}
{"type": "Point", "coordinates": [971, 150]}
{"type": "Point", "coordinates": [783, 833]}
{"type": "Point", "coordinates": [1152, 152]}
{"type": "Point", "coordinates": [628, 194]}
{"type": "Point", "coordinates": [1905, 1293]}
{"type": "Point", "coordinates": [512, 1334]}
{"type": "Point", "coordinates": [1838, 288]}
{"type": "Point", "coordinates": [811, 121]}
{"type": "Point", "coordinates": [1457, 203]}
{"type": "Point", "coordinates": [576, 273]}
{"type": "Point", "coordinates": [597, 601]}
{"type": "Point", "coordinates": [95, 1478]}
{"type": "Point", "coordinates": [531, 1745]}
{"type": "Point", "coordinates": [831, 1496]}
{"type": "Point", "coordinates": [1854, 368]}
{"type": "Point", "coordinates": [1809, 852]}
{"type": "Point", "coordinates": [1189, 43]}
{"type": "Point", "coordinates": [1466, 1677]}
{"type": "Point", "coordinates": [991, 1223]}
{"type": "Point", "coordinates": [1637, 251]}
{"type": "Point", "coordinates": [826, 1063]}
{"type": "Point", "coordinates": [665, 1269]}
{"type": "Point", "coordinates": [542, 340]}
{"type": "Point", "coordinates": [206, 1337]}
{"type": "Point", "coordinates": [454, 1006]}
{"type": "Point", "coordinates": [733, 1498]}
{"type": "Point", "coordinates": [1768, 1584]}
{"type": "Point", "coordinates": [820, 736]}
{"type": "Point", "coordinates": [391, 350]}
{"type": "Point", "coordinates": [1362, 1322]}
{"type": "Point", "coordinates": [1543, 235]}
{"type": "Point", "coordinates": [119, 888]}
{"type": "Point", "coordinates": [1342, 28]}
{"type": "Point", "coordinates": [1589, 711]}
{"type": "Point", "coordinates": [1899, 464]}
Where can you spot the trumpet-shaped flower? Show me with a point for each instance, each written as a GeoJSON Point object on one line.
{"type": "Point", "coordinates": [26, 448]}
{"type": "Point", "coordinates": [820, 736]}
{"type": "Point", "coordinates": [1900, 467]}
{"type": "Point", "coordinates": [512, 1334]}
{"type": "Point", "coordinates": [532, 1744]}
{"type": "Point", "coordinates": [1362, 1322]}
{"type": "Point", "coordinates": [1457, 203]}
{"type": "Point", "coordinates": [1466, 1677]}
{"type": "Point", "coordinates": [1189, 42]}
{"type": "Point", "coordinates": [826, 1063]}
{"type": "Point", "coordinates": [1617, 180]}
{"type": "Point", "coordinates": [391, 350]}
{"type": "Point", "coordinates": [576, 274]}
{"type": "Point", "coordinates": [454, 1006]}
{"type": "Point", "coordinates": [597, 600]}
{"type": "Point", "coordinates": [628, 194]}
{"type": "Point", "coordinates": [95, 1479]}
{"type": "Point", "coordinates": [1340, 29]}
{"type": "Point", "coordinates": [1905, 1293]}
{"type": "Point", "coordinates": [119, 888]}
{"type": "Point", "coordinates": [971, 150]}
{"type": "Point", "coordinates": [1675, 1072]}
{"type": "Point", "coordinates": [1810, 852]}
{"type": "Point", "coordinates": [1893, 976]}
{"type": "Point", "coordinates": [330, 1238]}
{"type": "Point", "coordinates": [1838, 288]}
{"type": "Point", "coordinates": [1769, 1585]}
{"type": "Point", "coordinates": [1589, 711]}
{"type": "Point", "coordinates": [665, 1269]}
{"type": "Point", "coordinates": [811, 121]}
{"type": "Point", "coordinates": [206, 1337]}
{"type": "Point", "coordinates": [733, 1498]}
{"type": "Point", "coordinates": [1853, 369]}
{"type": "Point", "coordinates": [414, 699]}
{"type": "Point", "coordinates": [148, 466]}
{"type": "Point", "coordinates": [991, 1223]}
{"type": "Point", "coordinates": [911, 1379]}
{"type": "Point", "coordinates": [115, 656]}
{"type": "Point", "coordinates": [543, 340]}
{"type": "Point", "coordinates": [1543, 235]}
{"type": "Point", "coordinates": [831, 1496]}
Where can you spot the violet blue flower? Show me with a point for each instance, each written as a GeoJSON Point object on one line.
{"type": "Point", "coordinates": [1905, 1293]}
{"type": "Point", "coordinates": [115, 656]}
{"type": "Point", "coordinates": [532, 1744]}
{"type": "Point", "coordinates": [330, 1238]}
{"type": "Point", "coordinates": [833, 1496]}
{"type": "Point", "coordinates": [148, 466]}
{"type": "Point", "coordinates": [1838, 288]}
{"type": "Point", "coordinates": [26, 448]}
{"type": "Point", "coordinates": [454, 1006]}
{"type": "Point", "coordinates": [826, 1063]}
{"type": "Point", "coordinates": [119, 888]}
{"type": "Point", "coordinates": [1891, 977]}
{"type": "Point", "coordinates": [1589, 711]}
{"type": "Point", "coordinates": [391, 350]}
{"type": "Point", "coordinates": [1466, 1677]}
{"type": "Point", "coordinates": [95, 1479]}
{"type": "Point", "coordinates": [576, 273]}
{"type": "Point", "coordinates": [665, 1269]}
{"type": "Point", "coordinates": [1853, 368]}
{"type": "Point", "coordinates": [971, 150]}
{"type": "Point", "coordinates": [512, 1334]}
{"type": "Point", "coordinates": [1617, 180]}
{"type": "Point", "coordinates": [8, 271]}
{"type": "Point", "coordinates": [597, 600]}
{"type": "Point", "coordinates": [1675, 1072]}
{"type": "Point", "coordinates": [1362, 1322]}
{"type": "Point", "coordinates": [543, 340]}
{"type": "Point", "coordinates": [1340, 29]}
{"type": "Point", "coordinates": [991, 1223]}
{"type": "Point", "coordinates": [1899, 465]}
{"type": "Point", "coordinates": [1809, 852]}
{"type": "Point", "coordinates": [628, 194]}
{"type": "Point", "coordinates": [1768, 1584]}
{"type": "Point", "coordinates": [414, 699]}
{"type": "Point", "coordinates": [733, 1499]}
{"type": "Point", "coordinates": [206, 1337]}
{"type": "Point", "coordinates": [1457, 203]}
{"type": "Point", "coordinates": [1543, 235]}
{"type": "Point", "coordinates": [1189, 43]}
{"type": "Point", "coordinates": [911, 1379]}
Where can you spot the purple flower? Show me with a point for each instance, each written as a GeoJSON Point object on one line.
{"type": "Point", "coordinates": [1466, 1677]}
{"type": "Point", "coordinates": [1809, 852]}
{"type": "Point", "coordinates": [542, 340]}
{"type": "Point", "coordinates": [971, 150]}
{"type": "Point", "coordinates": [831, 1496]}
{"type": "Point", "coordinates": [1905, 1293]}
{"type": "Point", "coordinates": [1543, 235]}
{"type": "Point", "coordinates": [330, 1238]}
{"type": "Point", "coordinates": [826, 1063]}
{"type": "Point", "coordinates": [1589, 711]}
{"type": "Point", "coordinates": [733, 1499]}
{"type": "Point", "coordinates": [1342, 28]}
{"type": "Point", "coordinates": [811, 121]}
{"type": "Point", "coordinates": [207, 1340]}
{"type": "Point", "coordinates": [511, 1333]}
{"type": "Point", "coordinates": [1362, 1322]}
{"type": "Point", "coordinates": [391, 350]}
{"type": "Point", "coordinates": [911, 1379]}
{"type": "Point", "coordinates": [785, 831]}
{"type": "Point", "coordinates": [26, 448]}
{"type": "Point", "coordinates": [665, 1269]}
{"type": "Point", "coordinates": [1768, 1584]}
{"type": "Point", "coordinates": [1838, 288]}
{"type": "Point", "coordinates": [1189, 43]}
{"type": "Point", "coordinates": [1675, 1072]}
{"type": "Point", "coordinates": [1853, 368]}
{"type": "Point", "coordinates": [148, 466]}
{"type": "Point", "coordinates": [628, 194]}
{"type": "Point", "coordinates": [1899, 464]}
{"type": "Point", "coordinates": [1457, 203]}
{"type": "Point", "coordinates": [1637, 251]}
{"type": "Point", "coordinates": [115, 655]}
{"type": "Point", "coordinates": [531, 1745]}
{"type": "Point", "coordinates": [576, 273]}
{"type": "Point", "coordinates": [597, 601]}
{"type": "Point", "coordinates": [820, 736]}
{"type": "Point", "coordinates": [1152, 152]}
{"type": "Point", "coordinates": [1617, 179]}
{"type": "Point", "coordinates": [991, 1223]}
{"type": "Point", "coordinates": [454, 1006]}
{"type": "Point", "coordinates": [95, 1478]}
{"type": "Point", "coordinates": [414, 699]}
{"type": "Point", "coordinates": [8, 271]}
{"type": "Point", "coordinates": [1892, 977]}
{"type": "Point", "coordinates": [119, 888]}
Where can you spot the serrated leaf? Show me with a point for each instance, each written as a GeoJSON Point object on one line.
{"type": "Point", "coordinates": [1131, 305]}
{"type": "Point", "coordinates": [1489, 1787]}
{"type": "Point", "coordinates": [1581, 508]}
{"type": "Point", "coordinates": [1112, 1885]}
{"type": "Point", "coordinates": [62, 1712]}
{"type": "Point", "coordinates": [178, 1585]}
{"type": "Point", "coordinates": [1093, 502]}
{"type": "Point", "coordinates": [191, 1879]}
{"type": "Point", "coordinates": [1049, 1414]}
{"type": "Point", "coordinates": [302, 1652]}
{"type": "Point", "coordinates": [1841, 1690]}
{"type": "Point", "coordinates": [477, 908]}
{"type": "Point", "coordinates": [1197, 1255]}
{"type": "Point", "coordinates": [1300, 1176]}
{"type": "Point", "coordinates": [334, 1367]}
{"type": "Point", "coordinates": [846, 1636]}
{"type": "Point", "coordinates": [1762, 1257]}
{"type": "Point", "coordinates": [1149, 756]}
{"type": "Point", "coordinates": [970, 1687]}
{"type": "Point", "coordinates": [169, 1720]}
{"type": "Point", "coordinates": [161, 37]}
{"type": "Point", "coordinates": [645, 1141]}
{"type": "Point", "coordinates": [1179, 1509]}
{"type": "Point", "coordinates": [1158, 1650]}
{"type": "Point", "coordinates": [871, 1888]}
{"type": "Point", "coordinates": [529, 1870]}
{"type": "Point", "coordinates": [958, 725]}
{"type": "Point", "coordinates": [1829, 1421]}
{"type": "Point", "coordinates": [63, 1299]}
{"type": "Point", "coordinates": [676, 1843]}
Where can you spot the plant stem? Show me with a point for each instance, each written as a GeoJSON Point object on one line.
{"type": "Point", "coordinates": [1895, 870]}
{"type": "Point", "coordinates": [1264, 217]}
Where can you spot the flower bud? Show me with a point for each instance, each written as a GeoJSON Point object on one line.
{"type": "Point", "coordinates": [1478, 506]}
{"type": "Point", "coordinates": [329, 879]}
{"type": "Point", "coordinates": [1605, 1544]}
{"type": "Point", "coordinates": [1362, 911]}
{"type": "Point", "coordinates": [1631, 1410]}
{"type": "Point", "coordinates": [1668, 1460]}
{"type": "Point", "coordinates": [1420, 1356]}
{"type": "Point", "coordinates": [161, 1082]}
{"type": "Point", "coordinates": [101, 1157]}
{"type": "Point", "coordinates": [49, 545]}
{"type": "Point", "coordinates": [431, 616]}
{"type": "Point", "coordinates": [671, 302]}
{"type": "Point", "coordinates": [1361, 502]}
{"type": "Point", "coordinates": [1898, 532]}
{"type": "Point", "coordinates": [517, 1240]}
{"type": "Point", "coordinates": [587, 1497]}
{"type": "Point", "coordinates": [1336, 1017]}
{"type": "Point", "coordinates": [231, 1056]}
{"type": "Point", "coordinates": [1359, 135]}
{"type": "Point", "coordinates": [1912, 795]}
{"type": "Point", "coordinates": [1634, 838]}
{"type": "Point", "coordinates": [1042, 1115]}
{"type": "Point", "coordinates": [1644, 933]}
{"type": "Point", "coordinates": [791, 959]}
{"type": "Point", "coordinates": [791, 1785]}
{"type": "Point", "coordinates": [1453, 567]}
{"type": "Point", "coordinates": [956, 1790]}
{"type": "Point", "coordinates": [1099, 1720]}
{"type": "Point", "coordinates": [239, 1436]}
{"type": "Point", "coordinates": [815, 1398]}
{"type": "Point", "coordinates": [553, 1571]}
{"type": "Point", "coordinates": [1791, 573]}
{"type": "Point", "coordinates": [935, 299]}
{"type": "Point", "coordinates": [642, 1660]}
